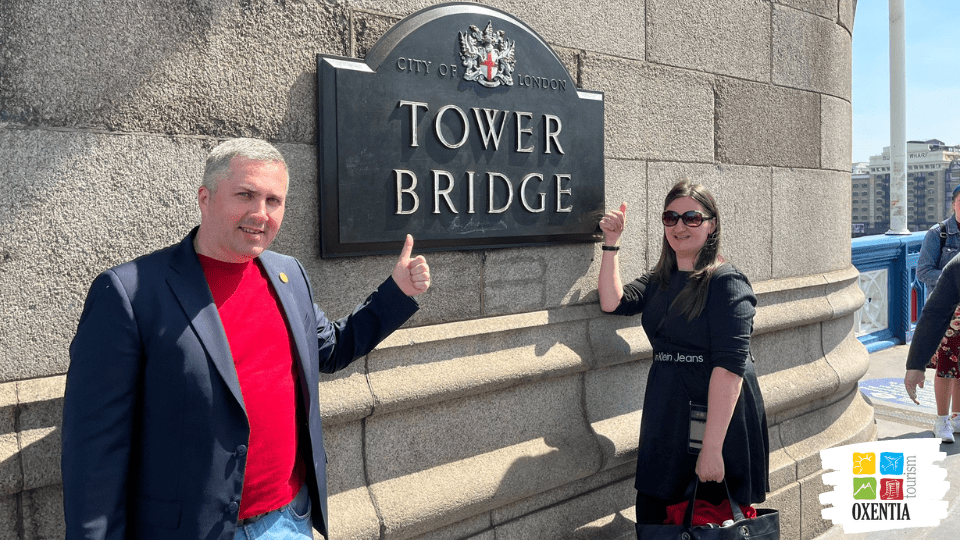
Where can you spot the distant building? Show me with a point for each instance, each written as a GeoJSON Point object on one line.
{"type": "Point", "coordinates": [933, 170]}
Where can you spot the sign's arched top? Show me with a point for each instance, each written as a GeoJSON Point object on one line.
{"type": "Point", "coordinates": [462, 127]}
{"type": "Point", "coordinates": [421, 20]}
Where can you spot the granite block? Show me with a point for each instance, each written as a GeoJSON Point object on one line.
{"type": "Point", "coordinates": [366, 29]}
{"type": "Point", "coordinates": [11, 470]}
{"type": "Point", "coordinates": [789, 503]}
{"type": "Point", "coordinates": [436, 465]}
{"type": "Point", "coordinates": [221, 69]}
{"type": "Point", "coordinates": [783, 468]}
{"type": "Point", "coordinates": [787, 309]}
{"type": "Point", "coordinates": [798, 390]}
{"type": "Point", "coordinates": [836, 116]}
{"type": "Point", "coordinates": [353, 516]}
{"type": "Point", "coordinates": [847, 420]}
{"type": "Point", "coordinates": [42, 514]}
{"type": "Point", "coordinates": [844, 352]}
{"type": "Point", "coordinates": [345, 459]}
{"type": "Point", "coordinates": [824, 8]}
{"type": "Point", "coordinates": [11, 466]}
{"type": "Point", "coordinates": [626, 182]}
{"type": "Point", "coordinates": [78, 204]}
{"type": "Point", "coordinates": [844, 293]}
{"type": "Point", "coordinates": [41, 409]}
{"type": "Point", "coordinates": [744, 196]}
{"type": "Point", "coordinates": [653, 112]}
{"type": "Point", "coordinates": [617, 340]}
{"type": "Point", "coordinates": [814, 217]}
{"type": "Point", "coordinates": [40, 457]}
{"type": "Point", "coordinates": [486, 358]}
{"type": "Point", "coordinates": [812, 523]}
{"type": "Point", "coordinates": [564, 23]}
{"type": "Point", "coordinates": [570, 58]}
{"type": "Point", "coordinates": [345, 395]}
{"type": "Point", "coordinates": [568, 491]}
{"type": "Point", "coordinates": [790, 302]}
{"type": "Point", "coordinates": [597, 515]}
{"type": "Point", "coordinates": [798, 347]}
{"type": "Point", "coordinates": [474, 528]}
{"type": "Point", "coordinates": [9, 521]}
{"type": "Point", "coordinates": [728, 37]}
{"type": "Point", "coordinates": [614, 399]}
{"type": "Point", "coordinates": [847, 11]}
{"type": "Point", "coordinates": [811, 53]}
{"type": "Point", "coordinates": [532, 278]}
{"type": "Point", "coordinates": [400, 8]}
{"type": "Point", "coordinates": [761, 124]}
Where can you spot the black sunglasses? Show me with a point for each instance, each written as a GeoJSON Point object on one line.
{"type": "Point", "coordinates": [691, 218]}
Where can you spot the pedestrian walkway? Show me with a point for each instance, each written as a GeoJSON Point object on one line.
{"type": "Point", "coordinates": [899, 418]}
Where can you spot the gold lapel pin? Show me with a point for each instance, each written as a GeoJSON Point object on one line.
{"type": "Point", "coordinates": [283, 277]}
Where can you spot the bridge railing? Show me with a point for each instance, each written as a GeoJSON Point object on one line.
{"type": "Point", "coordinates": [894, 295]}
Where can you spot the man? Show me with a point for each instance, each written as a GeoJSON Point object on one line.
{"type": "Point", "coordinates": [191, 408]}
{"type": "Point", "coordinates": [940, 245]}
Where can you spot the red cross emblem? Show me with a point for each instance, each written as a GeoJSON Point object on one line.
{"type": "Point", "coordinates": [491, 65]}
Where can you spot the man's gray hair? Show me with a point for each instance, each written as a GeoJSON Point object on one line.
{"type": "Point", "coordinates": [218, 162]}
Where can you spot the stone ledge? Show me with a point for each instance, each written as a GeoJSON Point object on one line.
{"type": "Point", "coordinates": [440, 498]}
{"type": "Point", "coordinates": [420, 366]}
{"type": "Point", "coordinates": [599, 514]}
{"type": "Point", "coordinates": [481, 327]}
{"type": "Point", "coordinates": [352, 515]}
{"type": "Point", "coordinates": [568, 491]}
{"type": "Point", "coordinates": [30, 414]}
{"type": "Point", "coordinates": [817, 298]}
{"type": "Point", "coordinates": [402, 379]}
{"type": "Point", "coordinates": [620, 435]}
{"type": "Point", "coordinates": [11, 470]}
{"type": "Point", "coordinates": [787, 390]}
{"type": "Point", "coordinates": [846, 421]}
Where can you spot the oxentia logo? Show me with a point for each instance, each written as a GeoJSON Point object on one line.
{"type": "Point", "coordinates": [891, 484]}
{"type": "Point", "coordinates": [868, 487]}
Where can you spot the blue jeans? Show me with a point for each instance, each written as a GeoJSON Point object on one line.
{"type": "Point", "coordinates": [290, 522]}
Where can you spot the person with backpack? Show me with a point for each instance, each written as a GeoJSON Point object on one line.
{"type": "Point", "coordinates": [940, 245]}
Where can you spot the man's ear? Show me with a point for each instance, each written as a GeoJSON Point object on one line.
{"type": "Point", "coordinates": [203, 198]}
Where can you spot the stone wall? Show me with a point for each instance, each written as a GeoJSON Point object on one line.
{"type": "Point", "coordinates": [509, 406]}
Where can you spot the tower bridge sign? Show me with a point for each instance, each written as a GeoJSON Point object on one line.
{"type": "Point", "coordinates": [463, 128]}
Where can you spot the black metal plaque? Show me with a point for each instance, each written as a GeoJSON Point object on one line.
{"type": "Point", "coordinates": [463, 128]}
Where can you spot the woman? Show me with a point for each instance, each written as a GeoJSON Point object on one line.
{"type": "Point", "coordinates": [697, 312]}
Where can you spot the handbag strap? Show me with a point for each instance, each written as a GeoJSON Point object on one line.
{"type": "Point", "coordinates": [734, 506]}
{"type": "Point", "coordinates": [691, 494]}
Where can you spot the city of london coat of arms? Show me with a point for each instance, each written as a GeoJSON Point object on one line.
{"type": "Point", "coordinates": [487, 56]}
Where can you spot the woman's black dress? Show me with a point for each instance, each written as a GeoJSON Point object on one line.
{"type": "Point", "coordinates": [684, 355]}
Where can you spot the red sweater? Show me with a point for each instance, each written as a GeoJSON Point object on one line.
{"type": "Point", "coordinates": [260, 344]}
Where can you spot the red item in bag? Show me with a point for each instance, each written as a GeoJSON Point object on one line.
{"type": "Point", "coordinates": [705, 512]}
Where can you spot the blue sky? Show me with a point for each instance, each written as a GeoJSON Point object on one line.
{"type": "Point", "coordinates": [933, 74]}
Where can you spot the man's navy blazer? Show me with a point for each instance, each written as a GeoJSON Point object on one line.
{"type": "Point", "coordinates": [154, 427]}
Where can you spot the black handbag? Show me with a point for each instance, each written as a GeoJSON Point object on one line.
{"type": "Point", "coordinates": [766, 526]}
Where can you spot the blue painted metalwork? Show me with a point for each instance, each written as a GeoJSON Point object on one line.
{"type": "Point", "coordinates": [905, 294]}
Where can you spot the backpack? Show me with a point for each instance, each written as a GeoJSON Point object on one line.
{"type": "Point", "coordinates": [943, 238]}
